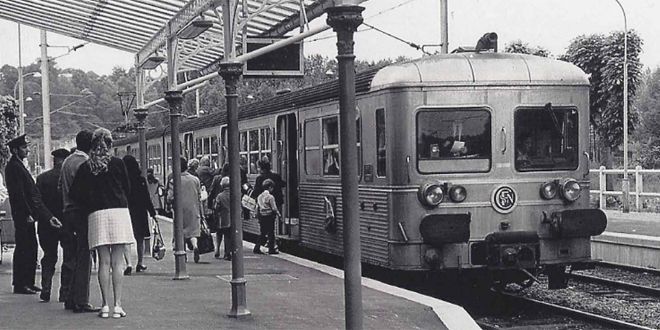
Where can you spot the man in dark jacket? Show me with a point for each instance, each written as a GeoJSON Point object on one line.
{"type": "Point", "coordinates": [26, 206]}
{"type": "Point", "coordinates": [49, 236]}
{"type": "Point", "coordinates": [76, 219]}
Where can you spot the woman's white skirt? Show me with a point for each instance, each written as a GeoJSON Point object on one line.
{"type": "Point", "coordinates": [109, 226]}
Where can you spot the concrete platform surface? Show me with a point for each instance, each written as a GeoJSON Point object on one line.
{"type": "Point", "coordinates": [283, 292]}
{"type": "Point", "coordinates": [633, 223]}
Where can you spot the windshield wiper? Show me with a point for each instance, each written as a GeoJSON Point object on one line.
{"type": "Point", "coordinates": [555, 121]}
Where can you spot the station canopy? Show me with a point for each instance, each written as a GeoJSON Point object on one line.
{"type": "Point", "coordinates": [142, 27]}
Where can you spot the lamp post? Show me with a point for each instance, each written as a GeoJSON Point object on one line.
{"type": "Point", "coordinates": [625, 183]}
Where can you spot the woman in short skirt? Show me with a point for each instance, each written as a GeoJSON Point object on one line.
{"type": "Point", "coordinates": [101, 185]}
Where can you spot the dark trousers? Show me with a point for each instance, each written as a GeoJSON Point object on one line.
{"type": "Point", "coordinates": [24, 266]}
{"type": "Point", "coordinates": [49, 238]}
{"type": "Point", "coordinates": [267, 229]}
{"type": "Point", "coordinates": [79, 287]}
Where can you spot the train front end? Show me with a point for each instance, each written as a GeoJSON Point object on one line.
{"type": "Point", "coordinates": [495, 181]}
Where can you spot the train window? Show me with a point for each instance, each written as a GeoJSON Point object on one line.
{"type": "Point", "coordinates": [312, 147]}
{"type": "Point", "coordinates": [330, 136]}
{"type": "Point", "coordinates": [198, 147]}
{"type": "Point", "coordinates": [380, 143]}
{"type": "Point", "coordinates": [453, 140]}
{"type": "Point", "coordinates": [214, 152]}
{"type": "Point", "coordinates": [546, 139]}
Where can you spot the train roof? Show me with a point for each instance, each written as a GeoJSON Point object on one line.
{"type": "Point", "coordinates": [480, 69]}
{"type": "Point", "coordinates": [451, 69]}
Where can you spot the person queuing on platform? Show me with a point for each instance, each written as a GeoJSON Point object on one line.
{"type": "Point", "coordinates": [76, 224]}
{"type": "Point", "coordinates": [102, 187]}
{"type": "Point", "coordinates": [190, 204]}
{"type": "Point", "coordinates": [153, 184]}
{"type": "Point", "coordinates": [139, 205]}
{"type": "Point", "coordinates": [50, 236]}
{"type": "Point", "coordinates": [192, 166]}
{"type": "Point", "coordinates": [26, 207]}
{"type": "Point", "coordinates": [267, 212]}
{"type": "Point", "coordinates": [205, 175]}
{"type": "Point", "coordinates": [221, 206]}
{"type": "Point", "coordinates": [266, 173]}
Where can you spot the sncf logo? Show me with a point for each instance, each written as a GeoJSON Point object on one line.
{"type": "Point", "coordinates": [503, 199]}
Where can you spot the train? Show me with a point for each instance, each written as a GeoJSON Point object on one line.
{"type": "Point", "coordinates": [474, 162]}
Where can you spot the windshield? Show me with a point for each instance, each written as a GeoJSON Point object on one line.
{"type": "Point", "coordinates": [453, 140]}
{"type": "Point", "coordinates": [546, 139]}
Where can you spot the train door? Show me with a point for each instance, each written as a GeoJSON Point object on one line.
{"type": "Point", "coordinates": [287, 167]}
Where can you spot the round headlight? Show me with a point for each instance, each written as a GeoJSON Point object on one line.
{"type": "Point", "coordinates": [431, 194]}
{"type": "Point", "coordinates": [549, 190]}
{"type": "Point", "coordinates": [570, 189]}
{"type": "Point", "coordinates": [457, 193]}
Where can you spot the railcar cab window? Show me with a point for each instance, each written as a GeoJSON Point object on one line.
{"type": "Point", "coordinates": [546, 138]}
{"type": "Point", "coordinates": [453, 140]}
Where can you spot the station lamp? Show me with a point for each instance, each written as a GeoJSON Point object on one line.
{"type": "Point", "coordinates": [153, 62]}
{"type": "Point", "coordinates": [194, 29]}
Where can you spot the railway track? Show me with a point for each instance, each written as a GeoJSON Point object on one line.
{"type": "Point", "coordinates": [588, 318]}
{"type": "Point", "coordinates": [654, 292]}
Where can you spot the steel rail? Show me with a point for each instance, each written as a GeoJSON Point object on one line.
{"type": "Point", "coordinates": [655, 292]}
{"type": "Point", "coordinates": [604, 320]}
{"type": "Point", "coordinates": [629, 267]}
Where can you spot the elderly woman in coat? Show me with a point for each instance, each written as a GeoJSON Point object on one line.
{"type": "Point", "coordinates": [191, 205]}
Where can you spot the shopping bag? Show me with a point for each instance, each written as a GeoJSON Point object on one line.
{"type": "Point", "coordinates": [205, 241]}
{"type": "Point", "coordinates": [249, 202]}
{"type": "Point", "coordinates": [158, 250]}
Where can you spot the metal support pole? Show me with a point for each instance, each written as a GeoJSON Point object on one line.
{"type": "Point", "coordinates": [174, 99]}
{"type": "Point", "coordinates": [231, 72]}
{"type": "Point", "coordinates": [21, 93]}
{"type": "Point", "coordinates": [444, 33]}
{"type": "Point", "coordinates": [625, 183]}
{"type": "Point", "coordinates": [45, 97]}
{"type": "Point", "coordinates": [141, 116]}
{"type": "Point", "coordinates": [345, 20]}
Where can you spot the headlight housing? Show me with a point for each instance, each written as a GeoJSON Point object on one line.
{"type": "Point", "coordinates": [457, 193]}
{"type": "Point", "coordinates": [549, 190]}
{"type": "Point", "coordinates": [431, 194]}
{"type": "Point", "coordinates": [570, 189]}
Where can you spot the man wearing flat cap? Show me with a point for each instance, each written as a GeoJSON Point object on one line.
{"type": "Point", "coordinates": [26, 206]}
{"type": "Point", "coordinates": [50, 236]}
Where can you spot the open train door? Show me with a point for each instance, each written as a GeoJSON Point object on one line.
{"type": "Point", "coordinates": [287, 167]}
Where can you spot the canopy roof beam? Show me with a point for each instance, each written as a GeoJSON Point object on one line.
{"type": "Point", "coordinates": [174, 25]}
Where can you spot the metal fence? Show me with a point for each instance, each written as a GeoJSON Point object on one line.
{"type": "Point", "coordinates": [636, 175]}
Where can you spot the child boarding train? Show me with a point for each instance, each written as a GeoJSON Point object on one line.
{"type": "Point", "coordinates": [472, 161]}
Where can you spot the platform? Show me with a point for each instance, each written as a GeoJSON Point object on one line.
{"type": "Point", "coordinates": [631, 239]}
{"type": "Point", "coordinates": [283, 292]}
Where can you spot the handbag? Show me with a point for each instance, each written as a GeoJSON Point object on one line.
{"type": "Point", "coordinates": [203, 194]}
{"type": "Point", "coordinates": [205, 241]}
{"type": "Point", "coordinates": [249, 202]}
{"type": "Point", "coordinates": [158, 250]}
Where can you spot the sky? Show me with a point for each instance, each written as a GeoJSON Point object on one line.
{"type": "Point", "coordinates": [551, 24]}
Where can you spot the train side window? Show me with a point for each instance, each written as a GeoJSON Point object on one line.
{"type": "Point", "coordinates": [312, 147]}
{"type": "Point", "coordinates": [453, 140]}
{"type": "Point", "coordinates": [265, 143]}
{"type": "Point", "coordinates": [253, 143]}
{"type": "Point", "coordinates": [198, 147]}
{"type": "Point", "coordinates": [331, 146]}
{"type": "Point", "coordinates": [381, 150]}
{"type": "Point", "coordinates": [214, 152]}
{"type": "Point", "coordinates": [243, 146]}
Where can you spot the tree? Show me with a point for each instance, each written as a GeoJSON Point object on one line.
{"type": "Point", "coordinates": [520, 47]}
{"type": "Point", "coordinates": [601, 57]}
{"type": "Point", "coordinates": [647, 105]}
{"type": "Point", "coordinates": [8, 127]}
